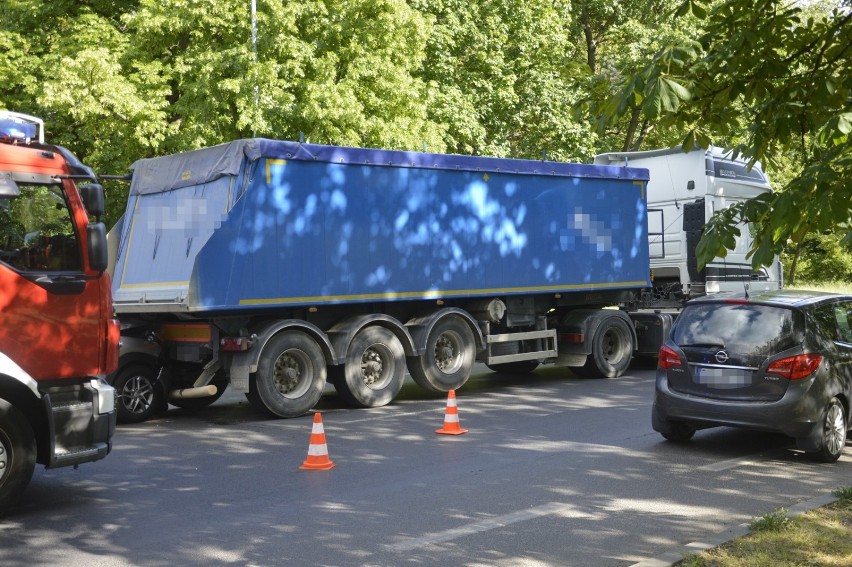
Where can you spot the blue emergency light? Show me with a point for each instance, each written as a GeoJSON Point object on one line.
{"type": "Point", "coordinates": [21, 127]}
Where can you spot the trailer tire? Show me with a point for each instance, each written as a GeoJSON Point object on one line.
{"type": "Point", "coordinates": [520, 367]}
{"type": "Point", "coordinates": [17, 454]}
{"type": "Point", "coordinates": [290, 375]}
{"type": "Point", "coordinates": [138, 395]}
{"type": "Point", "coordinates": [612, 349]}
{"type": "Point", "coordinates": [448, 359]}
{"type": "Point", "coordinates": [374, 368]}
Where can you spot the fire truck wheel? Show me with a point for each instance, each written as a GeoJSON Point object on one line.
{"type": "Point", "coordinates": [374, 369]}
{"type": "Point", "coordinates": [138, 395]}
{"type": "Point", "coordinates": [448, 360]}
{"type": "Point", "coordinates": [17, 454]}
{"type": "Point", "coordinates": [612, 348]}
{"type": "Point", "coordinates": [290, 375]}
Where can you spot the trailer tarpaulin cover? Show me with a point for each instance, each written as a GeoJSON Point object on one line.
{"type": "Point", "coordinates": [260, 224]}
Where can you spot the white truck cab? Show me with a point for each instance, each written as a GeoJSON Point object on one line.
{"type": "Point", "coordinates": [685, 190]}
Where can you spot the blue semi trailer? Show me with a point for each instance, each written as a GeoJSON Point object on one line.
{"type": "Point", "coordinates": [274, 267]}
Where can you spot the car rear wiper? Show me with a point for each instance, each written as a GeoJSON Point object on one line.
{"type": "Point", "coordinates": [703, 345]}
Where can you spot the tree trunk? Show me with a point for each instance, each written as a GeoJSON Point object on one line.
{"type": "Point", "coordinates": [591, 44]}
{"type": "Point", "coordinates": [631, 128]}
{"type": "Point", "coordinates": [795, 262]}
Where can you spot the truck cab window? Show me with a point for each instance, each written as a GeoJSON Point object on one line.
{"type": "Point", "coordinates": [36, 232]}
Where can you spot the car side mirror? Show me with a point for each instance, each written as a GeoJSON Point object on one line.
{"type": "Point", "coordinates": [93, 199]}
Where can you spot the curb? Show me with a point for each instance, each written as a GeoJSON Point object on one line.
{"type": "Point", "coordinates": [672, 556]}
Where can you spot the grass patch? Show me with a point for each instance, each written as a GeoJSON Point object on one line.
{"type": "Point", "coordinates": [771, 522]}
{"type": "Point", "coordinates": [820, 537]}
{"type": "Point", "coordinates": [831, 286]}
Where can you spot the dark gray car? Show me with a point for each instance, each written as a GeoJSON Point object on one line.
{"type": "Point", "coordinates": [777, 361]}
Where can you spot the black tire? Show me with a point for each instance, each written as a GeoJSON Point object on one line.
{"type": "Point", "coordinates": [374, 369]}
{"type": "Point", "coordinates": [677, 431]}
{"type": "Point", "coordinates": [290, 375]}
{"type": "Point", "coordinates": [17, 454]}
{"type": "Point", "coordinates": [522, 367]}
{"type": "Point", "coordinates": [138, 394]}
{"type": "Point", "coordinates": [448, 360]}
{"type": "Point", "coordinates": [612, 349]}
{"type": "Point", "coordinates": [834, 426]}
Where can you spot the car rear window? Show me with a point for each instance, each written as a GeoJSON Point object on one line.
{"type": "Point", "coordinates": [744, 328]}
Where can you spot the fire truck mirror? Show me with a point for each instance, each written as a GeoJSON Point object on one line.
{"type": "Point", "coordinates": [93, 199]}
{"type": "Point", "coordinates": [98, 249]}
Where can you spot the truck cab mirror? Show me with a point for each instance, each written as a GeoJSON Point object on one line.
{"type": "Point", "coordinates": [98, 247]}
{"type": "Point", "coordinates": [8, 188]}
{"type": "Point", "coordinates": [93, 199]}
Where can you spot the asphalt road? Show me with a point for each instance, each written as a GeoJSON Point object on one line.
{"type": "Point", "coordinates": [554, 470]}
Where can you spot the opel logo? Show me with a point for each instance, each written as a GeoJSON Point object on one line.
{"type": "Point", "coordinates": [722, 357]}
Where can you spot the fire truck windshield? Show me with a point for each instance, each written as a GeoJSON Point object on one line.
{"type": "Point", "coordinates": [36, 232]}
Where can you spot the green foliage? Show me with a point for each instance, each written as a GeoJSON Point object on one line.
{"type": "Point", "coordinates": [822, 258]}
{"type": "Point", "coordinates": [619, 38]}
{"type": "Point", "coordinates": [771, 78]}
{"type": "Point", "coordinates": [774, 521]}
{"type": "Point", "coordinates": [119, 80]}
{"type": "Point", "coordinates": [844, 494]}
{"type": "Point", "coordinates": [497, 80]}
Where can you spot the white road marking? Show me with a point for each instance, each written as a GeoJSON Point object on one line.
{"type": "Point", "coordinates": [565, 510]}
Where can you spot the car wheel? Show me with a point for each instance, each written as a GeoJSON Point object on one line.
{"type": "Point", "coordinates": [677, 431]}
{"type": "Point", "coordinates": [138, 395]}
{"type": "Point", "coordinates": [833, 432]}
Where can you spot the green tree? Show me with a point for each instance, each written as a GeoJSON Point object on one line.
{"type": "Point", "coordinates": [775, 75]}
{"type": "Point", "coordinates": [498, 85]}
{"type": "Point", "coordinates": [338, 72]}
{"type": "Point", "coordinates": [616, 38]}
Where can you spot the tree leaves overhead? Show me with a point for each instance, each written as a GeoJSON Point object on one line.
{"type": "Point", "coordinates": [118, 80]}
{"type": "Point", "coordinates": [770, 79]}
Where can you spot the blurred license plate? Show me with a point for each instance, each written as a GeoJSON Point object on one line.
{"type": "Point", "coordinates": [724, 378]}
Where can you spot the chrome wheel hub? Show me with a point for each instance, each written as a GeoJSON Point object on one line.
{"type": "Point", "coordinates": [835, 430]}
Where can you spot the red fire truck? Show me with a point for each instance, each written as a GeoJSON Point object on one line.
{"type": "Point", "coordinates": [58, 337]}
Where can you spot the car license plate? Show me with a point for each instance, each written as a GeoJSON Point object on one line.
{"type": "Point", "coordinates": [722, 378]}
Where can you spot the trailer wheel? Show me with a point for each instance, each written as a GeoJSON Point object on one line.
{"type": "Point", "coordinates": [448, 360]}
{"type": "Point", "coordinates": [612, 348]}
{"type": "Point", "coordinates": [138, 395]}
{"type": "Point", "coordinates": [374, 369]}
{"type": "Point", "coordinates": [290, 375]}
{"type": "Point", "coordinates": [520, 367]}
{"type": "Point", "coordinates": [17, 454]}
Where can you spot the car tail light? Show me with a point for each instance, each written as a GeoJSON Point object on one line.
{"type": "Point", "coordinates": [796, 367]}
{"type": "Point", "coordinates": [668, 358]}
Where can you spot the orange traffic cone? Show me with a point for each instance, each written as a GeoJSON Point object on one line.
{"type": "Point", "coordinates": [451, 417]}
{"type": "Point", "coordinates": [317, 451]}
